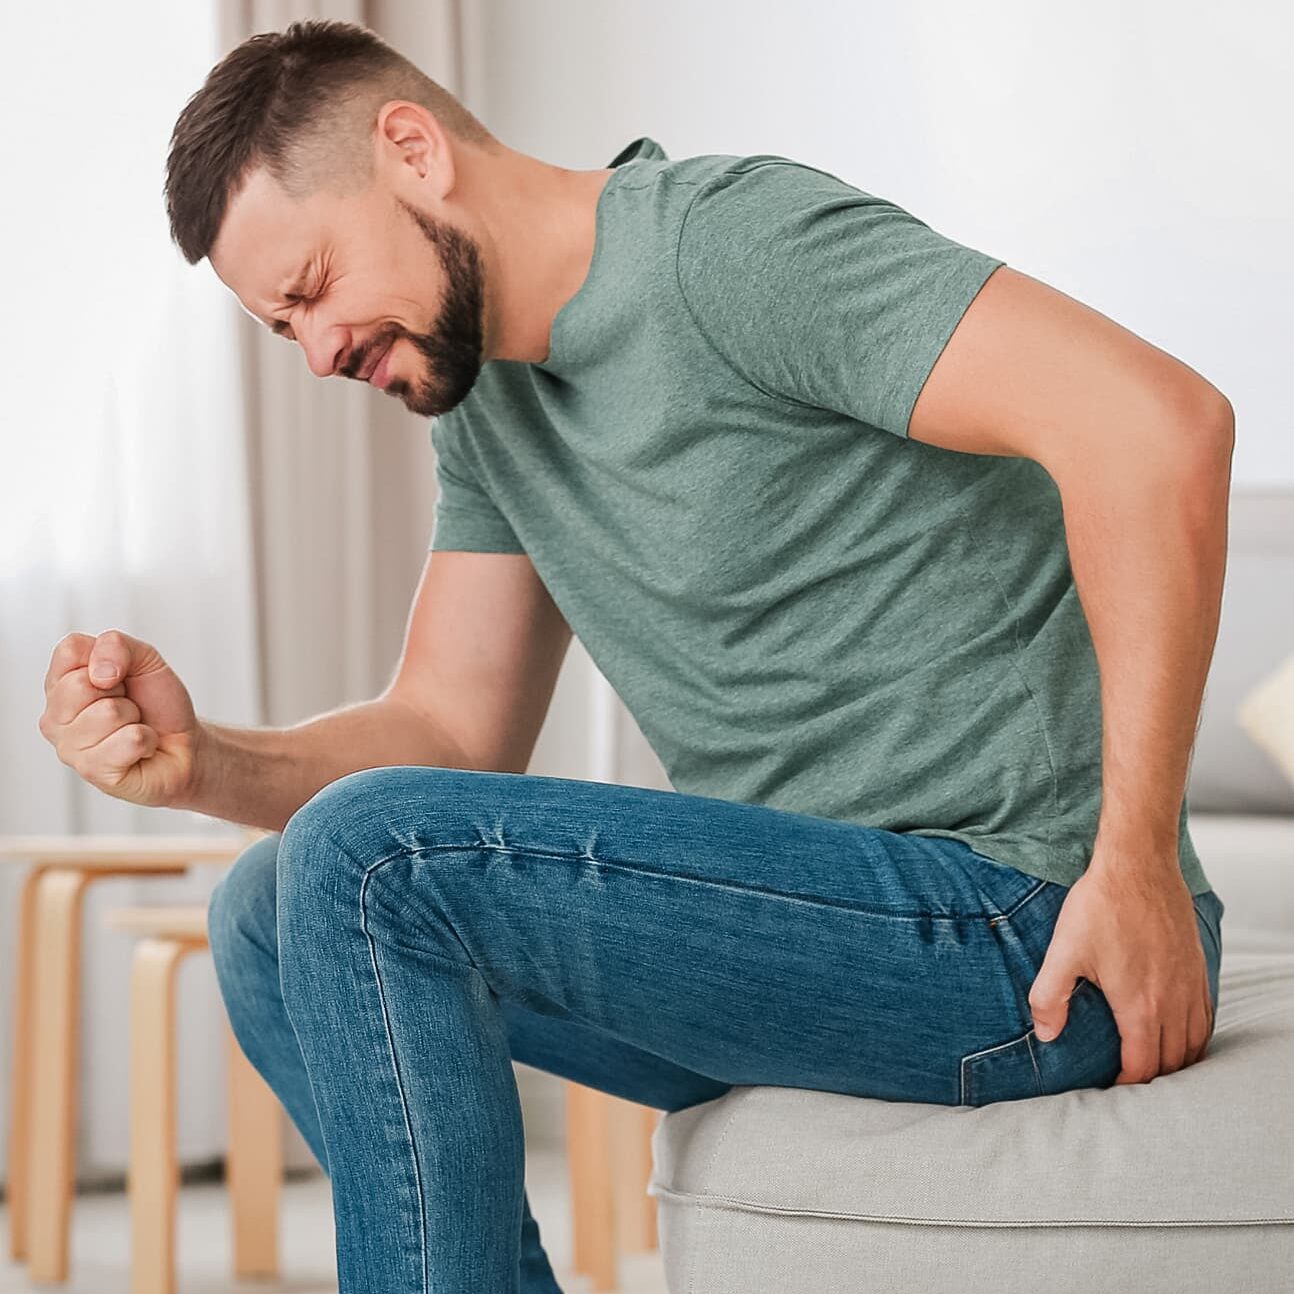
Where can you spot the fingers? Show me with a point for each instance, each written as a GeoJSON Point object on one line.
{"type": "Point", "coordinates": [110, 725]}
{"type": "Point", "coordinates": [108, 656]}
{"type": "Point", "coordinates": [73, 652]}
{"type": "Point", "coordinates": [79, 718]}
{"type": "Point", "coordinates": [99, 720]}
{"type": "Point", "coordinates": [1199, 1029]}
{"type": "Point", "coordinates": [71, 688]}
{"type": "Point", "coordinates": [111, 657]}
{"type": "Point", "coordinates": [118, 753]}
{"type": "Point", "coordinates": [1049, 999]}
{"type": "Point", "coordinates": [1140, 1051]}
{"type": "Point", "coordinates": [1173, 1042]}
{"type": "Point", "coordinates": [106, 740]}
{"type": "Point", "coordinates": [1155, 1044]}
{"type": "Point", "coordinates": [99, 736]}
{"type": "Point", "coordinates": [70, 696]}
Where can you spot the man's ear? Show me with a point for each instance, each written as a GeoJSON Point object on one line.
{"type": "Point", "coordinates": [412, 148]}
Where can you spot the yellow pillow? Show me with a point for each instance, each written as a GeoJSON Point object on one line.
{"type": "Point", "coordinates": [1267, 714]}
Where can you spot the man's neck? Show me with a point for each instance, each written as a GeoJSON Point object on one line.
{"type": "Point", "coordinates": [541, 221]}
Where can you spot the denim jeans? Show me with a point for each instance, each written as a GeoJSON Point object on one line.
{"type": "Point", "coordinates": [413, 930]}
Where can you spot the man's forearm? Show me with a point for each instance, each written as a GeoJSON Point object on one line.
{"type": "Point", "coordinates": [1147, 538]}
{"type": "Point", "coordinates": [261, 776]}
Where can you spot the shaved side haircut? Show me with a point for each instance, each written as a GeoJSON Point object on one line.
{"type": "Point", "coordinates": [302, 103]}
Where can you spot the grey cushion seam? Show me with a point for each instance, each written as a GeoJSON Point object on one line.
{"type": "Point", "coordinates": [748, 1206]}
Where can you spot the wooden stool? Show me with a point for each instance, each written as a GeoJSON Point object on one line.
{"type": "Point", "coordinates": [254, 1168]}
{"type": "Point", "coordinates": [608, 1153]}
{"type": "Point", "coordinates": [47, 1005]}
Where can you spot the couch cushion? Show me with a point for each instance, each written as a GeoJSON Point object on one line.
{"type": "Point", "coordinates": [1207, 1145]}
{"type": "Point", "coordinates": [1184, 1185]}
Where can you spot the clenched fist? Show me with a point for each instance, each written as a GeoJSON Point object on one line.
{"type": "Point", "coordinates": [117, 713]}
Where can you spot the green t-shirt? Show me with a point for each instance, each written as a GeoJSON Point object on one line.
{"type": "Point", "coordinates": [800, 606]}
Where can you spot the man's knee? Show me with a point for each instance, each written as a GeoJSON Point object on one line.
{"type": "Point", "coordinates": [241, 911]}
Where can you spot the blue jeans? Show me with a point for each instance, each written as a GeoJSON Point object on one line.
{"type": "Point", "coordinates": [413, 930]}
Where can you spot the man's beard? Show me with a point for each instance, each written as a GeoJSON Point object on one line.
{"type": "Point", "coordinates": [451, 351]}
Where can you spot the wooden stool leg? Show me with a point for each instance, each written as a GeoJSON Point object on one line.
{"type": "Point", "coordinates": [632, 1157]}
{"type": "Point", "coordinates": [56, 1007]}
{"type": "Point", "coordinates": [588, 1153]}
{"type": "Point", "coordinates": [153, 1176]}
{"type": "Point", "coordinates": [21, 1069]}
{"type": "Point", "coordinates": [648, 1120]}
{"type": "Point", "coordinates": [254, 1169]}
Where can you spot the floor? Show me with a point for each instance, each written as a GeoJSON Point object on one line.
{"type": "Point", "coordinates": [101, 1258]}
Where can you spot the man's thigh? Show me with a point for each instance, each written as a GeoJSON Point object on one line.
{"type": "Point", "coordinates": [243, 924]}
{"type": "Point", "coordinates": [584, 1055]}
{"type": "Point", "coordinates": [738, 942]}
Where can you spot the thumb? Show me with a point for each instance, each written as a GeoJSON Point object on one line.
{"type": "Point", "coordinates": [1049, 1003]}
{"type": "Point", "coordinates": [103, 672]}
{"type": "Point", "coordinates": [109, 658]}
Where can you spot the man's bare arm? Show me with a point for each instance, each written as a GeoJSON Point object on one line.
{"type": "Point", "coordinates": [483, 648]}
{"type": "Point", "coordinates": [1139, 446]}
{"type": "Point", "coordinates": [261, 776]}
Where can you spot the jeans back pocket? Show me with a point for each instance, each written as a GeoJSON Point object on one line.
{"type": "Point", "coordinates": [1007, 1071]}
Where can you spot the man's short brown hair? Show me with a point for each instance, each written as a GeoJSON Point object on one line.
{"type": "Point", "coordinates": [302, 102]}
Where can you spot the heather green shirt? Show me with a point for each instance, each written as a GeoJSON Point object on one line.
{"type": "Point", "coordinates": [800, 606]}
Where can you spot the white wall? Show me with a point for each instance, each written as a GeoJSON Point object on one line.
{"type": "Point", "coordinates": [1133, 153]}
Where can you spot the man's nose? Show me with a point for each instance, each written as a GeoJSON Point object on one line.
{"type": "Point", "coordinates": [325, 348]}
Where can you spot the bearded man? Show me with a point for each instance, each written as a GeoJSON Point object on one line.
{"type": "Point", "coordinates": [819, 489]}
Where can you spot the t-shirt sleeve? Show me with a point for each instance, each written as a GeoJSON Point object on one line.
{"type": "Point", "coordinates": [817, 292]}
{"type": "Point", "coordinates": [465, 517]}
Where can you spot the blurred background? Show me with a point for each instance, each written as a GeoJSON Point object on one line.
{"type": "Point", "coordinates": [172, 471]}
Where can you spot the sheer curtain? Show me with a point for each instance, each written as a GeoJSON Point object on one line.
{"type": "Point", "coordinates": [174, 472]}
{"type": "Point", "coordinates": [124, 501]}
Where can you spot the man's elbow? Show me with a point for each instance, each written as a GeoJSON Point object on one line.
{"type": "Point", "coordinates": [1211, 432]}
{"type": "Point", "coordinates": [1209, 423]}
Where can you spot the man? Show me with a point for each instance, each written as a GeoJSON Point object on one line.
{"type": "Point", "coordinates": [819, 489]}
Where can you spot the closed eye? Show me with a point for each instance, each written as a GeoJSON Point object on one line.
{"type": "Point", "coordinates": [280, 328]}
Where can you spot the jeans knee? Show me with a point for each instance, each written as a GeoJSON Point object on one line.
{"type": "Point", "coordinates": [241, 913]}
{"type": "Point", "coordinates": [322, 852]}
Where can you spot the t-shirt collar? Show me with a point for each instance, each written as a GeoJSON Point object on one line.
{"type": "Point", "coordinates": [644, 147]}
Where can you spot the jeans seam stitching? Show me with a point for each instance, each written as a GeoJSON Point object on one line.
{"type": "Point", "coordinates": [640, 869]}
{"type": "Point", "coordinates": [395, 1067]}
{"type": "Point", "coordinates": [1033, 1060]}
{"type": "Point", "coordinates": [1010, 912]}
